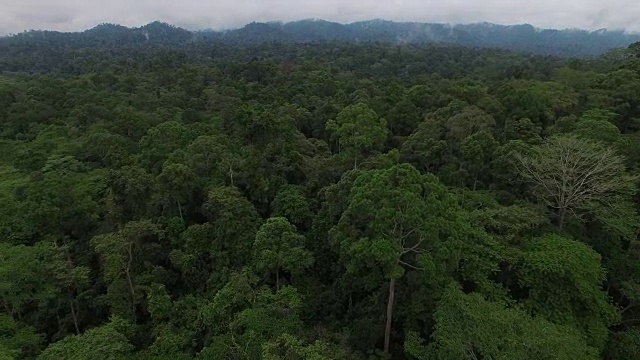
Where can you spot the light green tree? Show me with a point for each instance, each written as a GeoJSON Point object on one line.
{"type": "Point", "coordinates": [105, 342]}
{"type": "Point", "coordinates": [243, 318]}
{"type": "Point", "coordinates": [471, 327]}
{"type": "Point", "coordinates": [290, 347]}
{"type": "Point", "coordinates": [564, 280]}
{"type": "Point", "coordinates": [278, 247]}
{"type": "Point", "coordinates": [598, 125]}
{"type": "Point", "coordinates": [121, 253]}
{"type": "Point", "coordinates": [358, 130]}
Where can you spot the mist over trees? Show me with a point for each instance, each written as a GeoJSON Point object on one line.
{"type": "Point", "coordinates": [524, 38]}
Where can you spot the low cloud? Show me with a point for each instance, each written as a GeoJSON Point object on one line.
{"type": "Point", "coordinates": [75, 15]}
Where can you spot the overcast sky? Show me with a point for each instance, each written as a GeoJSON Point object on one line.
{"type": "Point", "coordinates": [74, 15]}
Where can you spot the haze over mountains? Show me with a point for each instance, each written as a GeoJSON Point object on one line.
{"type": "Point", "coordinates": [568, 43]}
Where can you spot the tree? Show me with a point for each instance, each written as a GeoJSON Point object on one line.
{"type": "Point", "coordinates": [24, 269]}
{"type": "Point", "coordinates": [477, 152]}
{"type": "Point", "coordinates": [242, 319]}
{"type": "Point", "coordinates": [598, 126]}
{"type": "Point", "coordinates": [20, 271]}
{"type": "Point", "coordinates": [18, 341]}
{"type": "Point", "coordinates": [61, 200]}
{"type": "Point", "coordinates": [198, 254]}
{"type": "Point", "coordinates": [528, 99]}
{"type": "Point", "coordinates": [106, 149]}
{"type": "Point", "coordinates": [403, 118]}
{"type": "Point", "coordinates": [177, 181]}
{"type": "Point", "coordinates": [278, 247]}
{"type": "Point", "coordinates": [574, 176]}
{"type": "Point", "coordinates": [235, 223]}
{"type": "Point", "coordinates": [290, 347]}
{"type": "Point", "coordinates": [240, 202]}
{"type": "Point", "coordinates": [425, 149]}
{"type": "Point", "coordinates": [128, 193]}
{"type": "Point", "coordinates": [121, 254]}
{"type": "Point", "coordinates": [522, 129]}
{"type": "Point", "coordinates": [394, 219]}
{"type": "Point", "coordinates": [471, 327]}
{"type": "Point", "coordinates": [358, 130]}
{"type": "Point", "coordinates": [213, 157]}
{"type": "Point", "coordinates": [107, 342]}
{"type": "Point", "coordinates": [161, 140]}
{"type": "Point", "coordinates": [624, 345]}
{"type": "Point", "coordinates": [69, 280]}
{"type": "Point", "coordinates": [564, 281]}
{"type": "Point", "coordinates": [623, 97]}
{"type": "Point", "coordinates": [175, 324]}
{"type": "Point", "coordinates": [466, 123]}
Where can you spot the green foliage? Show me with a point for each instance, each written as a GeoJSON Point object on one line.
{"type": "Point", "coordinates": [511, 223]}
{"type": "Point", "coordinates": [177, 181]}
{"type": "Point", "coordinates": [598, 125]}
{"type": "Point", "coordinates": [105, 342]}
{"type": "Point", "coordinates": [476, 152]}
{"type": "Point", "coordinates": [235, 222]}
{"type": "Point", "coordinates": [404, 118]}
{"type": "Point", "coordinates": [129, 192]}
{"type": "Point", "coordinates": [564, 281]}
{"type": "Point", "coordinates": [17, 341]}
{"type": "Point", "coordinates": [279, 248]}
{"type": "Point", "coordinates": [122, 254]}
{"type": "Point", "coordinates": [160, 141]}
{"type": "Point", "coordinates": [522, 129]}
{"type": "Point", "coordinates": [425, 149]}
{"type": "Point", "coordinates": [467, 122]}
{"type": "Point", "coordinates": [268, 316]}
{"type": "Point", "coordinates": [494, 330]}
{"type": "Point", "coordinates": [180, 197]}
{"type": "Point", "coordinates": [288, 347]}
{"type": "Point", "coordinates": [358, 131]}
{"type": "Point", "coordinates": [411, 215]}
{"type": "Point", "coordinates": [624, 345]}
{"type": "Point", "coordinates": [292, 204]}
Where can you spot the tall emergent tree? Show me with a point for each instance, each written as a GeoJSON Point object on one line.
{"type": "Point", "coordinates": [577, 176]}
{"type": "Point", "coordinates": [395, 217]}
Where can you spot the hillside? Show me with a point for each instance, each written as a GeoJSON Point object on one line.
{"type": "Point", "coordinates": [526, 38]}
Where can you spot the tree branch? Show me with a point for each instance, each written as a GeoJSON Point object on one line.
{"type": "Point", "coordinates": [414, 248]}
{"type": "Point", "coordinates": [411, 266]}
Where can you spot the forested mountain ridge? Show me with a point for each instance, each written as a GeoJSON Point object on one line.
{"type": "Point", "coordinates": [569, 43]}
{"type": "Point", "coordinates": [320, 201]}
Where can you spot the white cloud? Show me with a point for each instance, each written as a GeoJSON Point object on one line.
{"type": "Point", "coordinates": [73, 15]}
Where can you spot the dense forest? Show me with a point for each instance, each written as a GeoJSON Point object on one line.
{"type": "Point", "coordinates": [317, 201]}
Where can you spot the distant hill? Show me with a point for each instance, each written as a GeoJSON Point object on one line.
{"type": "Point", "coordinates": [568, 43]}
{"type": "Point", "coordinates": [526, 38]}
{"type": "Point", "coordinates": [103, 35]}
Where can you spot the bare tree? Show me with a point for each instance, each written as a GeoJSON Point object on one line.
{"type": "Point", "coordinates": [575, 176]}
